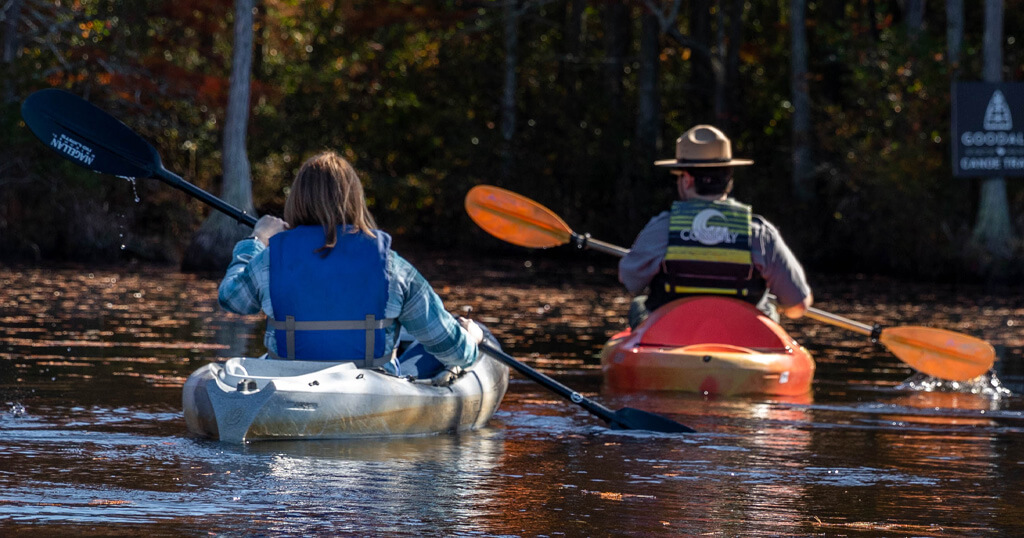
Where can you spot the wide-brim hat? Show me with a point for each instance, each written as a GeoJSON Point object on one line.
{"type": "Point", "coordinates": [703, 146]}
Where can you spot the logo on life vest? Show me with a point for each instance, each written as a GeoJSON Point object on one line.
{"type": "Point", "coordinates": [704, 233]}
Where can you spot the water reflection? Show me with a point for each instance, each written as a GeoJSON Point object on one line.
{"type": "Point", "coordinates": [431, 483]}
{"type": "Point", "coordinates": [92, 439]}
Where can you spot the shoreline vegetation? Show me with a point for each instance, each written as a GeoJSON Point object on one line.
{"type": "Point", "coordinates": [565, 102]}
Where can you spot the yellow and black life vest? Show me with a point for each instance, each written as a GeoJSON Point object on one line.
{"type": "Point", "coordinates": [709, 253]}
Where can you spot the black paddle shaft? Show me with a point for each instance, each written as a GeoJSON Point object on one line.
{"type": "Point", "coordinates": [90, 137]}
{"type": "Point", "coordinates": [623, 419]}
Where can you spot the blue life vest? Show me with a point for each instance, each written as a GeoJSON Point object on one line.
{"type": "Point", "coordinates": [330, 308]}
{"type": "Point", "coordinates": [709, 253]}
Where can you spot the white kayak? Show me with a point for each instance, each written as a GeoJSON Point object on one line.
{"type": "Point", "coordinates": [257, 399]}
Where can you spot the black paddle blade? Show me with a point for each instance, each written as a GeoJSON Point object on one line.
{"type": "Point", "coordinates": [629, 418]}
{"type": "Point", "coordinates": [88, 136]}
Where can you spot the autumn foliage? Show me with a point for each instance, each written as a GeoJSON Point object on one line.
{"type": "Point", "coordinates": [411, 93]}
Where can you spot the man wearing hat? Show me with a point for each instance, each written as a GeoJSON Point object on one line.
{"type": "Point", "coordinates": [710, 244]}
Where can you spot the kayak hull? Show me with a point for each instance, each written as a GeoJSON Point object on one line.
{"type": "Point", "coordinates": [709, 345]}
{"type": "Point", "coordinates": [259, 399]}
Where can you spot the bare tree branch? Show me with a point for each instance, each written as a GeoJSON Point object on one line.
{"type": "Point", "coordinates": [667, 23]}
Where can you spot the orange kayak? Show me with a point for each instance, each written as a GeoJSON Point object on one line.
{"type": "Point", "coordinates": [710, 345]}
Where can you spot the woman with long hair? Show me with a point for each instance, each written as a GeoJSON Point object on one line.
{"type": "Point", "coordinates": [330, 285]}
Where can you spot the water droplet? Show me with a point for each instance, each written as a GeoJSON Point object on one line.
{"type": "Point", "coordinates": [134, 189]}
{"type": "Point", "coordinates": [17, 409]}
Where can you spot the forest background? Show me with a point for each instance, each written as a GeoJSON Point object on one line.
{"type": "Point", "coordinates": [844, 105]}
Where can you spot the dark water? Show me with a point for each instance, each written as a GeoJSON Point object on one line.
{"type": "Point", "coordinates": [92, 439]}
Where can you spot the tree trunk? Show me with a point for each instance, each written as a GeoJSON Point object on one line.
{"type": "Point", "coordinates": [731, 112]}
{"type": "Point", "coordinates": [568, 68]}
{"type": "Point", "coordinates": [211, 247]}
{"type": "Point", "coordinates": [615, 47]}
{"type": "Point", "coordinates": [954, 34]}
{"type": "Point", "coordinates": [573, 31]}
{"type": "Point", "coordinates": [704, 79]}
{"type": "Point", "coordinates": [648, 96]}
{"type": "Point", "coordinates": [873, 20]}
{"type": "Point", "coordinates": [914, 18]}
{"type": "Point", "coordinates": [571, 106]}
{"type": "Point", "coordinates": [12, 16]}
{"type": "Point", "coordinates": [617, 132]}
{"type": "Point", "coordinates": [508, 93]}
{"type": "Point", "coordinates": [954, 45]}
{"type": "Point", "coordinates": [993, 229]}
{"type": "Point", "coordinates": [802, 178]}
{"type": "Point", "coordinates": [722, 50]}
{"type": "Point", "coordinates": [648, 117]}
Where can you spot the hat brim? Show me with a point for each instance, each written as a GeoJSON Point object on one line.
{"type": "Point", "coordinates": [673, 163]}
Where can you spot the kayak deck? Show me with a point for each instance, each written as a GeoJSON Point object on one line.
{"type": "Point", "coordinates": [255, 399]}
{"type": "Point", "coordinates": [710, 345]}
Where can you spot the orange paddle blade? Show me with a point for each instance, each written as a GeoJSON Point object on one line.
{"type": "Point", "coordinates": [940, 353]}
{"type": "Point", "coordinates": [516, 219]}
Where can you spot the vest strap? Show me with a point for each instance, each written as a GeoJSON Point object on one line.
{"type": "Point", "coordinates": [698, 290]}
{"type": "Point", "coordinates": [290, 327]}
{"type": "Point", "coordinates": [370, 336]}
{"type": "Point", "coordinates": [369, 325]}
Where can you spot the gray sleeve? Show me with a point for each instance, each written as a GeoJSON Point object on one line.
{"type": "Point", "coordinates": [777, 264]}
{"type": "Point", "coordinates": [638, 267]}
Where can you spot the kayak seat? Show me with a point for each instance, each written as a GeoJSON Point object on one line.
{"type": "Point", "coordinates": [711, 320]}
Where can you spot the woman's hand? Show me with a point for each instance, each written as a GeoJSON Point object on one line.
{"type": "Point", "coordinates": [472, 329]}
{"type": "Point", "coordinates": [267, 227]}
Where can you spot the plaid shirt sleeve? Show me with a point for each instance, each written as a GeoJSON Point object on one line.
{"type": "Point", "coordinates": [247, 280]}
{"type": "Point", "coordinates": [422, 313]}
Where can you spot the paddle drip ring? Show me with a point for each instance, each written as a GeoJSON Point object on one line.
{"type": "Point", "coordinates": [580, 240]}
{"type": "Point", "coordinates": [876, 333]}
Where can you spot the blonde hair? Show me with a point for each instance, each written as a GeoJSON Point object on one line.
{"type": "Point", "coordinates": [327, 192]}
